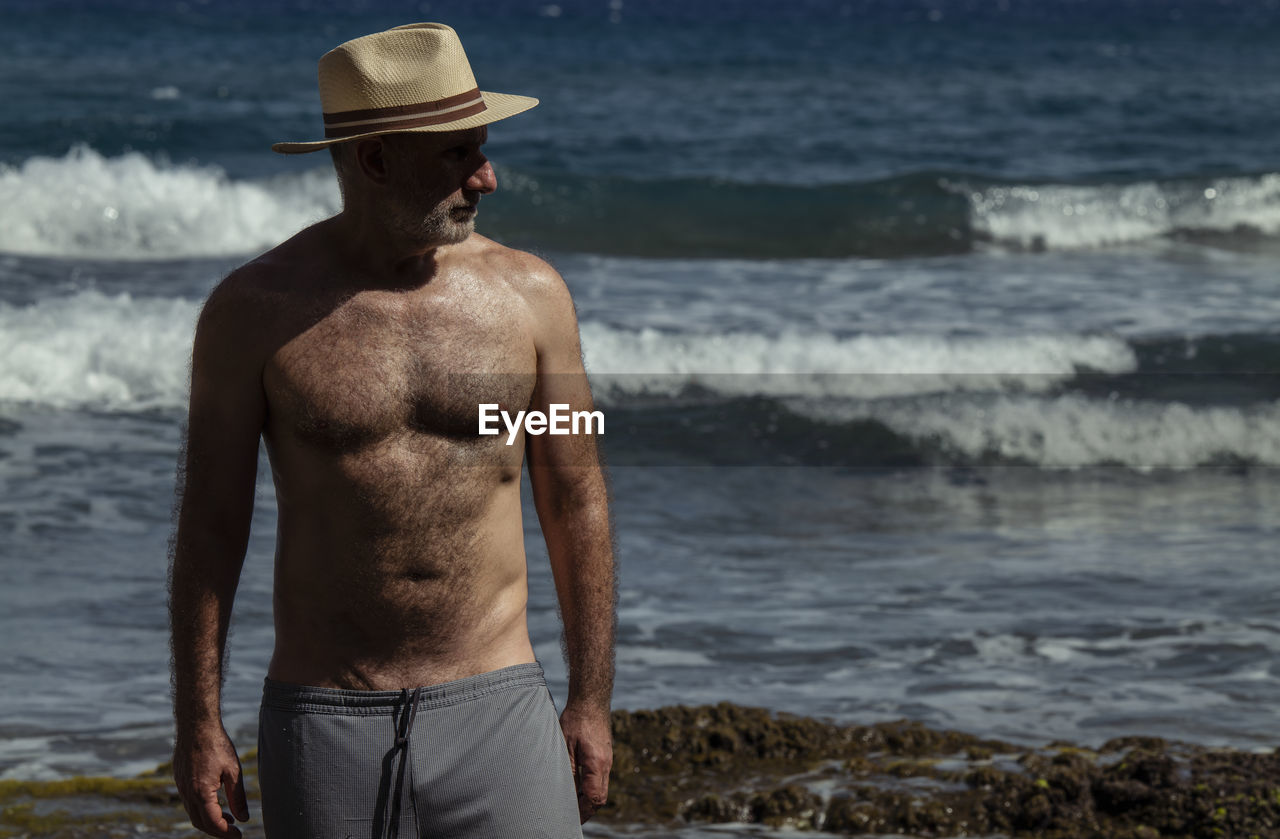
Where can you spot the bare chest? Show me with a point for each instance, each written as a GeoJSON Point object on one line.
{"type": "Point", "coordinates": [375, 368]}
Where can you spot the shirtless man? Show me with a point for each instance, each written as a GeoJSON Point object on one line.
{"type": "Point", "coordinates": [360, 351]}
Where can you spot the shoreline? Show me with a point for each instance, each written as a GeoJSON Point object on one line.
{"type": "Point", "coordinates": [682, 766]}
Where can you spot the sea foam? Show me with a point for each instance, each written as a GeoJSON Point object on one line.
{"type": "Point", "coordinates": [131, 207]}
{"type": "Point", "coordinates": [818, 364]}
{"type": "Point", "coordinates": [974, 396]}
{"type": "Point", "coordinates": [124, 352]}
{"type": "Point", "coordinates": [134, 207]}
{"type": "Point", "coordinates": [1063, 217]}
{"type": "Point", "coordinates": [1071, 431]}
{"type": "Point", "coordinates": [94, 350]}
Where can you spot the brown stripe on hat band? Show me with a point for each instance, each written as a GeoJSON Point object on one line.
{"type": "Point", "coordinates": [349, 123]}
{"type": "Point", "coordinates": [403, 123]}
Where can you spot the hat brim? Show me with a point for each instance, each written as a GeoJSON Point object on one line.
{"type": "Point", "coordinates": [497, 106]}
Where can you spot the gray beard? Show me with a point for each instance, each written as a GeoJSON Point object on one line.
{"type": "Point", "coordinates": [435, 229]}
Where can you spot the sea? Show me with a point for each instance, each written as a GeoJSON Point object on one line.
{"type": "Point", "coordinates": [938, 344]}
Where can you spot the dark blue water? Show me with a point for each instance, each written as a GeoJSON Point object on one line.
{"type": "Point", "coordinates": [784, 93]}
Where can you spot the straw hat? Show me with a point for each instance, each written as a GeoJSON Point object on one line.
{"type": "Point", "coordinates": [411, 78]}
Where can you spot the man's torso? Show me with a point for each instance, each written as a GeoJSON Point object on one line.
{"type": "Point", "coordinates": [400, 557]}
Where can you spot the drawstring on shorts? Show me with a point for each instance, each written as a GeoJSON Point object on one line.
{"type": "Point", "coordinates": [403, 730]}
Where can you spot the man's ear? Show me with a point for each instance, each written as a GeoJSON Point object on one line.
{"type": "Point", "coordinates": [371, 159]}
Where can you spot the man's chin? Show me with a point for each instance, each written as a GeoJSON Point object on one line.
{"type": "Point", "coordinates": [453, 233]}
{"type": "Point", "coordinates": [459, 232]}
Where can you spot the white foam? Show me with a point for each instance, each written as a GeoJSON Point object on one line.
{"type": "Point", "coordinates": [1072, 431]}
{"type": "Point", "coordinates": [1060, 217]}
{"type": "Point", "coordinates": [95, 350]}
{"type": "Point", "coordinates": [986, 395]}
{"type": "Point", "coordinates": [1057, 650]}
{"type": "Point", "coordinates": [87, 205]}
{"type": "Point", "coordinates": [128, 353]}
{"type": "Point", "coordinates": [27, 758]}
{"type": "Point", "coordinates": [820, 364]}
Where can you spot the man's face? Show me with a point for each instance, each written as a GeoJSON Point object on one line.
{"type": "Point", "coordinates": [435, 181]}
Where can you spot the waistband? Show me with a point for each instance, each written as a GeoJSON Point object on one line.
{"type": "Point", "coordinates": [283, 696]}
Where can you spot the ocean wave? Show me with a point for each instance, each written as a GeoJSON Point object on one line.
{"type": "Point", "coordinates": [92, 350]}
{"type": "Point", "coordinates": [918, 214]}
{"type": "Point", "coordinates": [650, 362]}
{"type": "Point", "coordinates": [1051, 401]}
{"type": "Point", "coordinates": [125, 352]}
{"type": "Point", "coordinates": [133, 207]}
{"type": "Point", "coordinates": [1055, 431]}
{"type": "Point", "coordinates": [1064, 217]}
{"type": "Point", "coordinates": [1055, 401]}
{"type": "Point", "coordinates": [1072, 431]}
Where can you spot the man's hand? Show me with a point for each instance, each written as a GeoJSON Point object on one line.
{"type": "Point", "coordinates": [203, 764]}
{"type": "Point", "coordinates": [590, 742]}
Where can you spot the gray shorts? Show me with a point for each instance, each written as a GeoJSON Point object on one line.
{"type": "Point", "coordinates": [478, 758]}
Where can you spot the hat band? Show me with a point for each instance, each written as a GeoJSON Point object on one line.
{"type": "Point", "coordinates": [400, 117]}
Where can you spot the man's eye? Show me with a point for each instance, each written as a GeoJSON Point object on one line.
{"type": "Point", "coordinates": [459, 152]}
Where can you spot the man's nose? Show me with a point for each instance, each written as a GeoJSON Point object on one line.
{"type": "Point", "coordinates": [483, 180]}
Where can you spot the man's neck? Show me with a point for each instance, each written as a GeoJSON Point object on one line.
{"type": "Point", "coordinates": [379, 254]}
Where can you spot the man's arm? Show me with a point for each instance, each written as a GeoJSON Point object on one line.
{"type": "Point", "coordinates": [215, 507]}
{"type": "Point", "coordinates": [571, 498]}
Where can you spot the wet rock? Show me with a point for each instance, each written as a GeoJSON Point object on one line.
{"type": "Point", "coordinates": [852, 817]}
{"type": "Point", "coordinates": [791, 806]}
{"type": "Point", "coordinates": [1124, 744]}
{"type": "Point", "coordinates": [749, 765]}
{"type": "Point", "coordinates": [718, 809]}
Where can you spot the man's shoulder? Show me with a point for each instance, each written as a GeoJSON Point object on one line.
{"type": "Point", "coordinates": [526, 274]}
{"type": "Point", "coordinates": [247, 303]}
{"type": "Point", "coordinates": [532, 280]}
{"type": "Point", "coordinates": [240, 301]}
{"type": "Point", "coordinates": [267, 277]}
